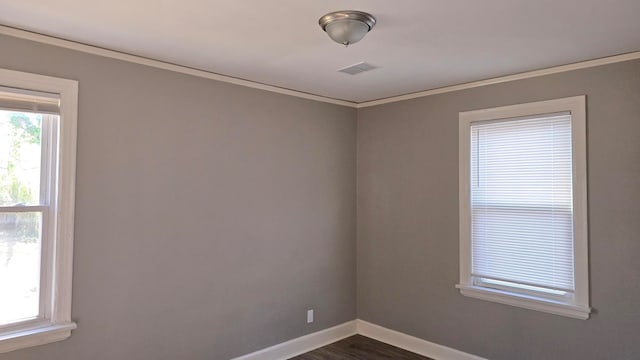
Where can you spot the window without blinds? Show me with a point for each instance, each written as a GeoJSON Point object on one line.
{"type": "Point", "coordinates": [521, 204]}
{"type": "Point", "coordinates": [28, 133]}
{"type": "Point", "coordinates": [38, 120]}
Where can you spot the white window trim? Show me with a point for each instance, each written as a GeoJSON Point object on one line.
{"type": "Point", "coordinates": [578, 307]}
{"type": "Point", "coordinates": [58, 324]}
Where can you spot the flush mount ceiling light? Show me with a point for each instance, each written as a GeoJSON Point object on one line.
{"type": "Point", "coordinates": [347, 26]}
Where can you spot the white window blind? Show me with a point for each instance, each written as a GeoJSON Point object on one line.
{"type": "Point", "coordinates": [14, 99]}
{"type": "Point", "coordinates": [521, 203]}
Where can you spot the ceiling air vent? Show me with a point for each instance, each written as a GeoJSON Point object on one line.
{"type": "Point", "coordinates": [357, 68]}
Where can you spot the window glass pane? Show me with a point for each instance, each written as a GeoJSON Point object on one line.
{"type": "Point", "coordinates": [20, 243]}
{"type": "Point", "coordinates": [20, 158]}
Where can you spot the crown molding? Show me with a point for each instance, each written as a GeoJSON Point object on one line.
{"type": "Point", "coordinates": [95, 50]}
{"type": "Point", "coordinates": [502, 79]}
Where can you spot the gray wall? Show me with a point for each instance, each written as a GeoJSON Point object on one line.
{"type": "Point", "coordinates": [209, 216]}
{"type": "Point", "coordinates": [408, 222]}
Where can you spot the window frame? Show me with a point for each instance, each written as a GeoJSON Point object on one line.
{"type": "Point", "coordinates": [54, 322]}
{"type": "Point", "coordinates": [576, 306]}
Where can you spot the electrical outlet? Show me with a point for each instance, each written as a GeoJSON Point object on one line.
{"type": "Point", "coordinates": [309, 316]}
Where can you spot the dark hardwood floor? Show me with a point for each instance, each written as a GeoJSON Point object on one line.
{"type": "Point", "coordinates": [358, 347]}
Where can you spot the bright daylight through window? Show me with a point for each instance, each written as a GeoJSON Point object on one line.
{"type": "Point", "coordinates": [37, 180]}
{"type": "Point", "coordinates": [22, 198]}
{"type": "Point", "coordinates": [523, 236]}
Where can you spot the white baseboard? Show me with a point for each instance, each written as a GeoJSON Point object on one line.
{"type": "Point", "coordinates": [411, 343]}
{"type": "Point", "coordinates": [321, 338]}
{"type": "Point", "coordinates": [303, 344]}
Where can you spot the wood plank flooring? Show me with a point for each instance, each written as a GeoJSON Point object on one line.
{"type": "Point", "coordinates": [359, 347]}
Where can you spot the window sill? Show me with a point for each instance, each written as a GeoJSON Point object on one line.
{"type": "Point", "coordinates": [526, 301]}
{"type": "Point", "coordinates": [34, 336]}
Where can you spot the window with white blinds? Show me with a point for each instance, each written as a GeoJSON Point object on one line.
{"type": "Point", "coordinates": [518, 215]}
{"type": "Point", "coordinates": [521, 202]}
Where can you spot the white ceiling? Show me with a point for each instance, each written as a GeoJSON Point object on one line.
{"type": "Point", "coordinates": [417, 44]}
